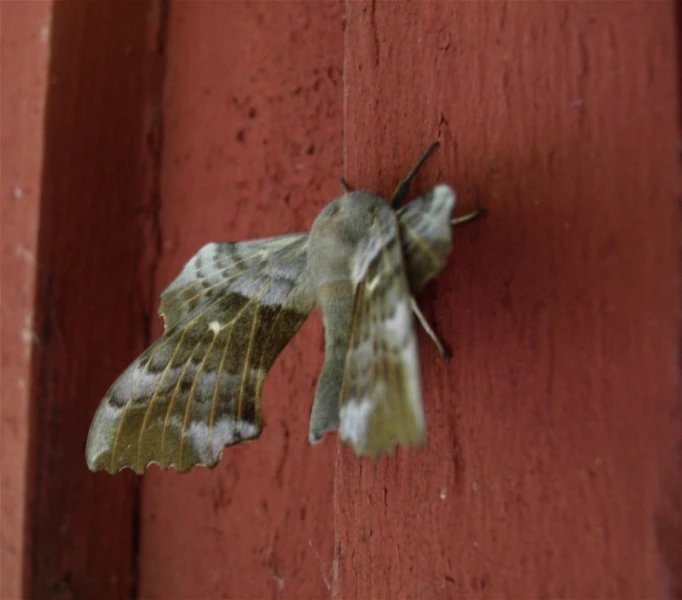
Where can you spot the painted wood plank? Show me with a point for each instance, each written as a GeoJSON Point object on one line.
{"type": "Point", "coordinates": [97, 246]}
{"type": "Point", "coordinates": [24, 74]}
{"type": "Point", "coordinates": [551, 467]}
{"type": "Point", "coordinates": [253, 121]}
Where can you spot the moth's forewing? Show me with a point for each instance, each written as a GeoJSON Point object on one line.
{"type": "Point", "coordinates": [426, 234]}
{"type": "Point", "coordinates": [220, 267]}
{"type": "Point", "coordinates": [371, 348]}
{"type": "Point", "coordinates": [228, 315]}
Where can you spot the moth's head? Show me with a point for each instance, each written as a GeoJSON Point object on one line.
{"type": "Point", "coordinates": [360, 204]}
{"type": "Point", "coordinates": [349, 216]}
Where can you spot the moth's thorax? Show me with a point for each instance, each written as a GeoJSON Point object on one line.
{"type": "Point", "coordinates": [349, 218]}
{"type": "Point", "coordinates": [343, 231]}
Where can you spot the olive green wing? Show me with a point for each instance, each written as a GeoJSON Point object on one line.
{"type": "Point", "coordinates": [228, 315]}
{"type": "Point", "coordinates": [426, 234]}
{"type": "Point", "coordinates": [380, 399]}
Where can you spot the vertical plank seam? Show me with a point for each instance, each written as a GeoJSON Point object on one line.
{"type": "Point", "coordinates": [338, 459]}
{"type": "Point", "coordinates": [155, 141]}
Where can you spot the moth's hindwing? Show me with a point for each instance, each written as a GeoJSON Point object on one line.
{"type": "Point", "coordinates": [228, 315]}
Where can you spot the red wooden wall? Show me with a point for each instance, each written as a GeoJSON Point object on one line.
{"type": "Point", "coordinates": [23, 78]}
{"type": "Point", "coordinates": [133, 133]}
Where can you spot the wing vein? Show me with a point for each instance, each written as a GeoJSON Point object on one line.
{"type": "Point", "coordinates": [390, 358]}
{"type": "Point", "coordinates": [175, 391]}
{"type": "Point", "coordinates": [419, 240]}
{"type": "Point", "coordinates": [216, 387]}
{"type": "Point", "coordinates": [190, 397]}
{"type": "Point", "coordinates": [247, 358]}
{"type": "Point", "coordinates": [151, 400]}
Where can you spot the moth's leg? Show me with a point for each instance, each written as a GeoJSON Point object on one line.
{"type": "Point", "coordinates": [444, 352]}
{"type": "Point", "coordinates": [479, 212]}
{"type": "Point", "coordinates": [345, 186]}
{"type": "Point", "coordinates": [404, 186]}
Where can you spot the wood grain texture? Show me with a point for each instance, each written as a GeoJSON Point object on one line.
{"type": "Point", "coordinates": [551, 467]}
{"type": "Point", "coordinates": [552, 463]}
{"type": "Point", "coordinates": [96, 252]}
{"type": "Point", "coordinates": [23, 74]}
{"type": "Point", "coordinates": [252, 148]}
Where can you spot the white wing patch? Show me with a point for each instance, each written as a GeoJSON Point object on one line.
{"type": "Point", "coordinates": [354, 421]}
{"type": "Point", "coordinates": [208, 443]}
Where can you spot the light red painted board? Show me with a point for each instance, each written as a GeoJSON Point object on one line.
{"type": "Point", "coordinates": [253, 123]}
{"type": "Point", "coordinates": [552, 462]}
{"type": "Point", "coordinates": [23, 80]}
{"type": "Point", "coordinates": [93, 297]}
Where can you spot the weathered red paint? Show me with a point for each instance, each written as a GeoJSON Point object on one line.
{"type": "Point", "coordinates": [552, 462]}
{"type": "Point", "coordinates": [23, 73]}
{"type": "Point", "coordinates": [252, 148]}
{"type": "Point", "coordinates": [93, 291]}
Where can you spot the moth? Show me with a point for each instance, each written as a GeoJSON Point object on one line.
{"type": "Point", "coordinates": [235, 306]}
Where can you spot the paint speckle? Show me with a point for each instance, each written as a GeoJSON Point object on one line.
{"type": "Point", "coordinates": [46, 30]}
{"type": "Point", "coordinates": [25, 253]}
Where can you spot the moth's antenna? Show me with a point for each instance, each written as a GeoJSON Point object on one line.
{"type": "Point", "coordinates": [345, 186]}
{"type": "Point", "coordinates": [404, 186]}
{"type": "Point", "coordinates": [479, 212]}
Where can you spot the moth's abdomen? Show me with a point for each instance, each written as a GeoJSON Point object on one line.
{"type": "Point", "coordinates": [337, 314]}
